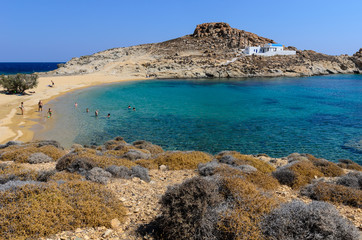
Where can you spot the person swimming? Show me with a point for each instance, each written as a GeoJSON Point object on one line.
{"type": "Point", "coordinates": [96, 113]}
{"type": "Point", "coordinates": [76, 104]}
{"type": "Point", "coordinates": [109, 115]}
{"type": "Point", "coordinates": [134, 109]}
{"type": "Point", "coordinates": [87, 110]}
{"type": "Point", "coordinates": [129, 106]}
{"type": "Point", "coordinates": [50, 112]}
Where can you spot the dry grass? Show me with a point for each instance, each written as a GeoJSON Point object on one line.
{"type": "Point", "coordinates": [34, 211]}
{"type": "Point", "coordinates": [322, 191]}
{"type": "Point", "coordinates": [21, 154]}
{"type": "Point", "coordinates": [248, 160]}
{"type": "Point", "coordinates": [326, 167]}
{"type": "Point", "coordinates": [182, 160]}
{"type": "Point", "coordinates": [242, 221]}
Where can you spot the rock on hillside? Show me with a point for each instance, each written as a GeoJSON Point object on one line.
{"type": "Point", "coordinates": [213, 50]}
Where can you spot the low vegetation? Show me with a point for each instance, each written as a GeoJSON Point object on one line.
{"type": "Point", "coordinates": [33, 211]}
{"type": "Point", "coordinates": [297, 174]}
{"type": "Point", "coordinates": [317, 220]}
{"type": "Point", "coordinates": [241, 159]}
{"type": "Point", "coordinates": [329, 169]}
{"type": "Point", "coordinates": [349, 164]}
{"type": "Point", "coordinates": [333, 193]}
{"type": "Point", "coordinates": [182, 160]}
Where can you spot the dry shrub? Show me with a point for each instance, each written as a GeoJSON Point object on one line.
{"type": "Point", "coordinates": [102, 161]}
{"type": "Point", "coordinates": [317, 220]}
{"type": "Point", "coordinates": [242, 159]}
{"type": "Point", "coordinates": [326, 167]}
{"type": "Point", "coordinates": [349, 164]}
{"type": "Point", "coordinates": [182, 160]}
{"type": "Point", "coordinates": [188, 210]}
{"type": "Point", "coordinates": [297, 174]}
{"type": "Point", "coordinates": [18, 172]}
{"type": "Point", "coordinates": [249, 206]}
{"type": "Point", "coordinates": [262, 180]}
{"type": "Point", "coordinates": [65, 176]}
{"type": "Point", "coordinates": [150, 163]}
{"type": "Point", "coordinates": [352, 179]}
{"type": "Point", "coordinates": [21, 154]}
{"type": "Point", "coordinates": [119, 152]}
{"type": "Point", "coordinates": [34, 211]}
{"type": "Point", "coordinates": [259, 179]}
{"type": "Point", "coordinates": [153, 149]}
{"type": "Point", "coordinates": [333, 193]}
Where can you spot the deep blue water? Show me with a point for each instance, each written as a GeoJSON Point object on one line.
{"type": "Point", "coordinates": [318, 115]}
{"type": "Point", "coordinates": [8, 68]}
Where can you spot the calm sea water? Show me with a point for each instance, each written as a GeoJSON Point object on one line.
{"type": "Point", "coordinates": [8, 68]}
{"type": "Point", "coordinates": [318, 115]}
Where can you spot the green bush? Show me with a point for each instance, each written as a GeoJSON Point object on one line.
{"type": "Point", "coordinates": [19, 83]}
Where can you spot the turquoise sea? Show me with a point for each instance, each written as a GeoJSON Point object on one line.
{"type": "Point", "coordinates": [319, 115]}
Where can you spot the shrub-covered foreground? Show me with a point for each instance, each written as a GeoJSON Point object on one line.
{"type": "Point", "coordinates": [299, 221]}
{"type": "Point", "coordinates": [43, 209]}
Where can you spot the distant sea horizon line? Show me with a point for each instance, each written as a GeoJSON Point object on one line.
{"type": "Point", "coordinates": [10, 68]}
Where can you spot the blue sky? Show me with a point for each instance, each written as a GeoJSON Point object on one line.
{"type": "Point", "coordinates": [53, 30]}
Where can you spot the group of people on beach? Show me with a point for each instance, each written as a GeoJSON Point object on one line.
{"type": "Point", "coordinates": [40, 108]}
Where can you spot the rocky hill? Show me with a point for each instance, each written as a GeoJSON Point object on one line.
{"type": "Point", "coordinates": [213, 50]}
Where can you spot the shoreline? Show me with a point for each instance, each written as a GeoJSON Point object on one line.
{"type": "Point", "coordinates": [14, 126]}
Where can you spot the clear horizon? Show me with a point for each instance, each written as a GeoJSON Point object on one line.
{"type": "Point", "coordinates": [54, 31]}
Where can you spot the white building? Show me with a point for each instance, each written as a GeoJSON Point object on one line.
{"type": "Point", "coordinates": [269, 49]}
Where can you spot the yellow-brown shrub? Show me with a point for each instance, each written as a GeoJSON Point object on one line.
{"type": "Point", "coordinates": [242, 221]}
{"type": "Point", "coordinates": [19, 171]}
{"type": "Point", "coordinates": [34, 211]}
{"type": "Point", "coordinates": [304, 172]}
{"type": "Point", "coordinates": [21, 154]}
{"type": "Point", "coordinates": [66, 176]}
{"type": "Point", "coordinates": [102, 161]}
{"type": "Point", "coordinates": [322, 191]}
{"type": "Point", "coordinates": [150, 164]}
{"type": "Point", "coordinates": [259, 179]}
{"type": "Point", "coordinates": [249, 160]}
{"type": "Point", "coordinates": [349, 164]}
{"type": "Point", "coordinates": [182, 160]}
{"type": "Point", "coordinates": [326, 167]}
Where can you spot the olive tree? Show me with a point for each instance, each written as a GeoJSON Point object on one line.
{"type": "Point", "coordinates": [18, 83]}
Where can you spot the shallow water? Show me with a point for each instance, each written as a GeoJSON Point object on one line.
{"type": "Point", "coordinates": [278, 116]}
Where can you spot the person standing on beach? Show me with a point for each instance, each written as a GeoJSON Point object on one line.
{"type": "Point", "coordinates": [22, 108]}
{"type": "Point", "coordinates": [40, 106]}
{"type": "Point", "coordinates": [49, 112]}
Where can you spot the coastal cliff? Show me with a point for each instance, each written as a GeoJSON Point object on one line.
{"type": "Point", "coordinates": [213, 50]}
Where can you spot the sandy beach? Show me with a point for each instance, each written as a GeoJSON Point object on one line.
{"type": "Point", "coordinates": [14, 126]}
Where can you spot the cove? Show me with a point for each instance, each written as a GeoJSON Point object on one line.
{"type": "Point", "coordinates": [320, 115]}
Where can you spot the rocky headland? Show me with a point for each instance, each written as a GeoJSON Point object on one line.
{"type": "Point", "coordinates": [212, 51]}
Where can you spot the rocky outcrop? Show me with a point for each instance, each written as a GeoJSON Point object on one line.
{"type": "Point", "coordinates": [213, 50]}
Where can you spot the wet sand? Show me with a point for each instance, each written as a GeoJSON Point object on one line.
{"type": "Point", "coordinates": [14, 126]}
